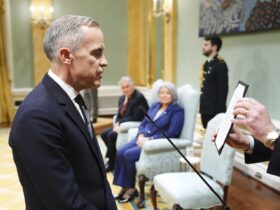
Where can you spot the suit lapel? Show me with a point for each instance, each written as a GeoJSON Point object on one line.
{"type": "Point", "coordinates": [169, 108]}
{"type": "Point", "coordinates": [73, 113]}
{"type": "Point", "coordinates": [155, 110]}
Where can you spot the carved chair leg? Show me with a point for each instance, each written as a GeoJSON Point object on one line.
{"type": "Point", "coordinates": [225, 199]}
{"type": "Point", "coordinates": [226, 188]}
{"type": "Point", "coordinates": [142, 181]}
{"type": "Point", "coordinates": [177, 207]}
{"type": "Point", "coordinates": [154, 197]}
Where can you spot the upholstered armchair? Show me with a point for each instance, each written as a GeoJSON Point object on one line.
{"type": "Point", "coordinates": [159, 156]}
{"type": "Point", "coordinates": [124, 127]}
{"type": "Point", "coordinates": [185, 190]}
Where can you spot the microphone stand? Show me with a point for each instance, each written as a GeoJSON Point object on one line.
{"type": "Point", "coordinates": [183, 156]}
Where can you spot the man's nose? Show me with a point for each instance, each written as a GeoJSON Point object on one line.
{"type": "Point", "coordinates": [104, 61]}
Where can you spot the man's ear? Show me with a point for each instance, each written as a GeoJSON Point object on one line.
{"type": "Point", "coordinates": [65, 55]}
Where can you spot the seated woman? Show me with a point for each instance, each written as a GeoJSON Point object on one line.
{"type": "Point", "coordinates": [169, 116]}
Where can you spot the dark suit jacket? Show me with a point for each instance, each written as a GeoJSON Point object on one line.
{"type": "Point", "coordinates": [171, 121]}
{"type": "Point", "coordinates": [132, 112]}
{"type": "Point", "coordinates": [262, 153]}
{"type": "Point", "coordinates": [214, 88]}
{"type": "Point", "coordinates": [59, 165]}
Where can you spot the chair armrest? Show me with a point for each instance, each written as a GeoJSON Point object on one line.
{"type": "Point", "coordinates": [125, 126]}
{"type": "Point", "coordinates": [132, 133]}
{"type": "Point", "coordinates": [124, 137]}
{"type": "Point", "coordinates": [114, 120]}
{"type": "Point", "coordinates": [158, 156]}
{"type": "Point", "coordinates": [160, 145]}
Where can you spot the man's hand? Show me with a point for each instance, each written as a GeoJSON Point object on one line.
{"type": "Point", "coordinates": [116, 128]}
{"type": "Point", "coordinates": [236, 139]}
{"type": "Point", "coordinates": [256, 120]}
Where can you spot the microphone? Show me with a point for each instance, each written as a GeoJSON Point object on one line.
{"type": "Point", "coordinates": [142, 109]}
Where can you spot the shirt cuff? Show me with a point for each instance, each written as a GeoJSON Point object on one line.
{"type": "Point", "coordinates": [252, 145]}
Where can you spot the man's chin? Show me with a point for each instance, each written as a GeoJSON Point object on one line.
{"type": "Point", "coordinates": [97, 84]}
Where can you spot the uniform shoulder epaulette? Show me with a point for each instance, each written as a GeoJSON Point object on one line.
{"type": "Point", "coordinates": [220, 59]}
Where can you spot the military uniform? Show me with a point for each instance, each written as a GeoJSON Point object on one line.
{"type": "Point", "coordinates": [214, 88]}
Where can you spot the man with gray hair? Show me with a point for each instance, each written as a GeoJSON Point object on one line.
{"type": "Point", "coordinates": [54, 146]}
{"type": "Point", "coordinates": [128, 110]}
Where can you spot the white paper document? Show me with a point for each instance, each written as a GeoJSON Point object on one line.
{"type": "Point", "coordinates": [226, 123]}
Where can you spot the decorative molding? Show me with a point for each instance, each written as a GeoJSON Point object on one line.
{"type": "Point", "coordinates": [8, 40]}
{"type": "Point", "coordinates": [18, 95]}
{"type": "Point", "coordinates": [108, 96]}
{"type": "Point", "coordinates": [170, 28]}
{"type": "Point", "coordinates": [137, 41]}
{"type": "Point", "coordinates": [20, 92]}
{"type": "Point", "coordinates": [152, 50]}
{"type": "Point", "coordinates": [40, 62]}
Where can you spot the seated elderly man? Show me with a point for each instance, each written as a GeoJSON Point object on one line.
{"type": "Point", "coordinates": [129, 103]}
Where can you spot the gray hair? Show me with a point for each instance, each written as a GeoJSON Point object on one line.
{"type": "Point", "coordinates": [126, 79]}
{"type": "Point", "coordinates": [172, 89]}
{"type": "Point", "coordinates": [66, 32]}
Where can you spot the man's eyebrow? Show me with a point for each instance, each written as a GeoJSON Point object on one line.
{"type": "Point", "coordinates": [99, 48]}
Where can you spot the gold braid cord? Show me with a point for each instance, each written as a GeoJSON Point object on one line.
{"type": "Point", "coordinates": [221, 59]}
{"type": "Point", "coordinates": [201, 75]}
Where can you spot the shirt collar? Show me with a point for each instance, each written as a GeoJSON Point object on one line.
{"type": "Point", "coordinates": [70, 91]}
{"type": "Point", "coordinates": [209, 59]}
{"type": "Point", "coordinates": [212, 58]}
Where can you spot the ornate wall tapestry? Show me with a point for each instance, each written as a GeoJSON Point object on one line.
{"type": "Point", "coordinates": [234, 16]}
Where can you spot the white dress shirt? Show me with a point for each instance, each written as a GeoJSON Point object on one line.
{"type": "Point", "coordinates": [69, 90]}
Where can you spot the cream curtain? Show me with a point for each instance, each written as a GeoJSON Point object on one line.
{"type": "Point", "coordinates": [6, 107]}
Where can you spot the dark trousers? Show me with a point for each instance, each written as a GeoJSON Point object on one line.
{"type": "Point", "coordinates": [125, 169]}
{"type": "Point", "coordinates": [110, 138]}
{"type": "Point", "coordinates": [205, 118]}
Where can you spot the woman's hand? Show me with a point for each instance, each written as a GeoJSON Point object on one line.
{"type": "Point", "coordinates": [141, 140]}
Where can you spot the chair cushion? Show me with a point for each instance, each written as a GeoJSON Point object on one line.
{"type": "Point", "coordinates": [188, 98]}
{"type": "Point", "coordinates": [218, 166]}
{"type": "Point", "coordinates": [187, 190]}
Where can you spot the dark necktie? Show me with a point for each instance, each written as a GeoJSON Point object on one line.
{"type": "Point", "coordinates": [79, 99]}
{"type": "Point", "coordinates": [123, 108]}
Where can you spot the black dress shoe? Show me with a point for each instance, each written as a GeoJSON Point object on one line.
{"type": "Point", "coordinates": [119, 196]}
{"type": "Point", "coordinates": [129, 198]}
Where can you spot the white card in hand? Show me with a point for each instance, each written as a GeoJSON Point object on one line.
{"type": "Point", "coordinates": [226, 123]}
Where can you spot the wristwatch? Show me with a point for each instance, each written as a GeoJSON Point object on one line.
{"type": "Point", "coordinates": [272, 137]}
